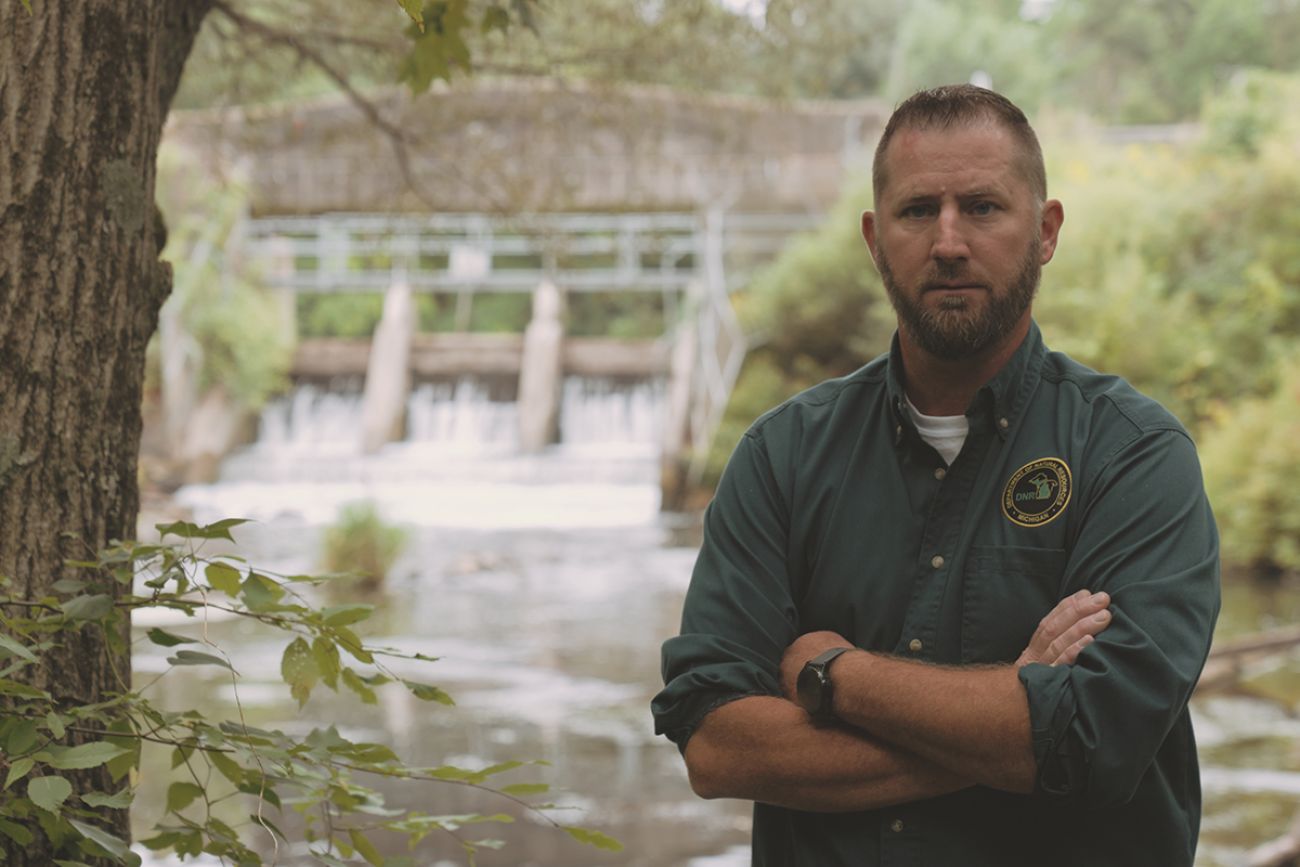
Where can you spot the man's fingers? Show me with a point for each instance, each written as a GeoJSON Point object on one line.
{"type": "Point", "coordinates": [1080, 614]}
{"type": "Point", "coordinates": [1072, 652]}
{"type": "Point", "coordinates": [1068, 612]}
{"type": "Point", "coordinates": [1082, 631]}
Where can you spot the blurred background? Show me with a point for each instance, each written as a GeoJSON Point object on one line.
{"type": "Point", "coordinates": [487, 337]}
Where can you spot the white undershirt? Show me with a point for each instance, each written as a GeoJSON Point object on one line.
{"type": "Point", "coordinates": [946, 433]}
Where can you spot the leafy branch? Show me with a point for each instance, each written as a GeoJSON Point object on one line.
{"type": "Point", "coordinates": [233, 777]}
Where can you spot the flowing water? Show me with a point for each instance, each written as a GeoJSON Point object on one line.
{"type": "Point", "coordinates": [545, 584]}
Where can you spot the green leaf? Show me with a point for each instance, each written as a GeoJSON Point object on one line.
{"type": "Point", "coordinates": [49, 793]}
{"type": "Point", "coordinates": [346, 615]}
{"type": "Point", "coordinates": [224, 578]}
{"type": "Point", "coordinates": [94, 607]}
{"type": "Point", "coordinates": [125, 763]}
{"type": "Point", "coordinates": [299, 670]}
{"type": "Point", "coordinates": [180, 795]}
{"type": "Point", "coordinates": [118, 801]}
{"type": "Point", "coordinates": [260, 592]}
{"type": "Point", "coordinates": [57, 724]}
{"type": "Point", "coordinates": [18, 770]}
{"type": "Point", "coordinates": [14, 648]}
{"type": "Point", "coordinates": [411, 7]}
{"type": "Point", "coordinates": [70, 585]}
{"type": "Point", "coordinates": [16, 832]}
{"type": "Point", "coordinates": [22, 737]}
{"type": "Point", "coordinates": [194, 657]}
{"type": "Point", "coordinates": [187, 530]}
{"type": "Point", "coordinates": [357, 685]}
{"type": "Point", "coordinates": [425, 692]}
{"type": "Point", "coordinates": [365, 848]}
{"type": "Point", "coordinates": [526, 789]}
{"type": "Point", "coordinates": [326, 654]}
{"type": "Point", "coordinates": [593, 838]}
{"type": "Point", "coordinates": [227, 766]}
{"type": "Point", "coordinates": [113, 845]}
{"type": "Point", "coordinates": [27, 4]}
{"type": "Point", "coordinates": [90, 755]}
{"type": "Point", "coordinates": [348, 640]}
{"type": "Point", "coordinates": [168, 639]}
{"type": "Point", "coordinates": [22, 690]}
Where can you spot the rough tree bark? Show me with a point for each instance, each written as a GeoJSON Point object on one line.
{"type": "Point", "coordinates": [85, 87]}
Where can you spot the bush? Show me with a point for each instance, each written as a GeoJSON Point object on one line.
{"type": "Point", "coordinates": [361, 544]}
{"type": "Point", "coordinates": [1252, 472]}
{"type": "Point", "coordinates": [1179, 269]}
{"type": "Point", "coordinates": [236, 325]}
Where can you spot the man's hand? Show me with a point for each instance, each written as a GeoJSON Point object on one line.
{"type": "Point", "coordinates": [804, 648]}
{"type": "Point", "coordinates": [1067, 629]}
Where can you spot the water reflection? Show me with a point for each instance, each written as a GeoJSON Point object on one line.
{"type": "Point", "coordinates": [545, 586]}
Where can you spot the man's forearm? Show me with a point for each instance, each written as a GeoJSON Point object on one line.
{"type": "Point", "coordinates": [973, 721]}
{"type": "Point", "coordinates": [767, 749]}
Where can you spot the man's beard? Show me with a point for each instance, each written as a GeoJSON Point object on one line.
{"type": "Point", "coordinates": [952, 331]}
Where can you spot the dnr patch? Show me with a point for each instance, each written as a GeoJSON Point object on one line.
{"type": "Point", "coordinates": [1037, 492]}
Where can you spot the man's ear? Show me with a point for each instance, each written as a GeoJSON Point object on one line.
{"type": "Point", "coordinates": [1050, 228]}
{"type": "Point", "coordinates": [869, 233]}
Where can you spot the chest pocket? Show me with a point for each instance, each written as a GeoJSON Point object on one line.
{"type": "Point", "coordinates": [1005, 592]}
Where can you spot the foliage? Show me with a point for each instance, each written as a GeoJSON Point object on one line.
{"type": "Point", "coordinates": [361, 544]}
{"type": "Point", "coordinates": [1251, 453]}
{"type": "Point", "coordinates": [1178, 268]}
{"type": "Point", "coordinates": [235, 327]}
{"type": "Point", "coordinates": [1150, 62]}
{"type": "Point", "coordinates": [232, 780]}
{"type": "Point", "coordinates": [257, 51]}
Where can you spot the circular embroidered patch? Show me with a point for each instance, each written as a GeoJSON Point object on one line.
{"type": "Point", "coordinates": [1037, 492]}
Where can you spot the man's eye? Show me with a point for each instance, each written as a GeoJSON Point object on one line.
{"type": "Point", "coordinates": [916, 212]}
{"type": "Point", "coordinates": [983, 209]}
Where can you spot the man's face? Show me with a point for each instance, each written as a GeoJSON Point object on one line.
{"type": "Point", "coordinates": [959, 238]}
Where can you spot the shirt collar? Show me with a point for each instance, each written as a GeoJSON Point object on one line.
{"type": "Point", "coordinates": [1001, 400]}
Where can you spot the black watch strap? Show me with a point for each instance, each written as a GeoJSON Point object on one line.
{"type": "Point", "coordinates": [815, 691]}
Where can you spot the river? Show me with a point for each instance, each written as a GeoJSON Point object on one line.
{"type": "Point", "coordinates": [545, 584]}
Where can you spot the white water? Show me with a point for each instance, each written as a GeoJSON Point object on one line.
{"type": "Point", "coordinates": [545, 582]}
{"type": "Point", "coordinates": [460, 465]}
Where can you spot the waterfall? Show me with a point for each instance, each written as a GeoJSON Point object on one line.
{"type": "Point", "coordinates": [460, 463]}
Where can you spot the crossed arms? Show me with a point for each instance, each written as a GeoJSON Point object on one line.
{"type": "Point", "coordinates": [910, 730]}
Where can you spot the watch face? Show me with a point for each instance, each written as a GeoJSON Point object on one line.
{"type": "Point", "coordinates": [808, 689]}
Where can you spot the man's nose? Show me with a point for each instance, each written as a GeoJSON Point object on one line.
{"type": "Point", "coordinates": [949, 240]}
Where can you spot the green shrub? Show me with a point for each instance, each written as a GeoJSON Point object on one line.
{"type": "Point", "coordinates": [1251, 457]}
{"type": "Point", "coordinates": [235, 323]}
{"type": "Point", "coordinates": [361, 544]}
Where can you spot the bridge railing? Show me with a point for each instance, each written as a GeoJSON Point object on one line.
{"type": "Point", "coordinates": [696, 260]}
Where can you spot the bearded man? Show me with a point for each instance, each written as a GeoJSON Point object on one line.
{"type": "Point", "coordinates": [949, 609]}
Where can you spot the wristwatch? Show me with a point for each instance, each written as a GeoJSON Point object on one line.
{"type": "Point", "coordinates": [813, 689]}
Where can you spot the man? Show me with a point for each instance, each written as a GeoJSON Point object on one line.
{"type": "Point", "coordinates": [949, 609]}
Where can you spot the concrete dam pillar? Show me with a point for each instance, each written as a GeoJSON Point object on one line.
{"type": "Point", "coordinates": [542, 370]}
{"type": "Point", "coordinates": [388, 371]}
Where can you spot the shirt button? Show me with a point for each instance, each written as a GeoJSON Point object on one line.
{"type": "Point", "coordinates": [940, 473]}
{"type": "Point", "coordinates": [937, 561]}
{"type": "Point", "coordinates": [915, 645]}
{"type": "Point", "coordinates": [1003, 423]}
{"type": "Point", "coordinates": [896, 826]}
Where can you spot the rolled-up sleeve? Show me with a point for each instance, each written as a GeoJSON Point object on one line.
{"type": "Point", "coordinates": [739, 615]}
{"type": "Point", "coordinates": [1148, 539]}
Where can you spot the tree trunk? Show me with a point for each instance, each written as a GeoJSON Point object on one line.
{"type": "Point", "coordinates": [84, 90]}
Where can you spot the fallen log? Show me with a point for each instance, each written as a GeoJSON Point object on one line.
{"type": "Point", "coordinates": [1226, 661]}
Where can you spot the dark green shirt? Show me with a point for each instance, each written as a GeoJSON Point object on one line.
{"type": "Point", "coordinates": [834, 514]}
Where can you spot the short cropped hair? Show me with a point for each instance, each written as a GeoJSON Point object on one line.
{"type": "Point", "coordinates": [956, 105]}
